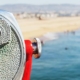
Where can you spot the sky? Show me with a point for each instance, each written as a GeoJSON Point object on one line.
{"type": "Point", "coordinates": [40, 2]}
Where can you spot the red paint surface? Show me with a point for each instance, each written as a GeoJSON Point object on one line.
{"type": "Point", "coordinates": [28, 64]}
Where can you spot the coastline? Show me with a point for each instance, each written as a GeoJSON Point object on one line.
{"type": "Point", "coordinates": [34, 28]}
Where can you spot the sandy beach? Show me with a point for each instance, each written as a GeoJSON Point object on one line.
{"type": "Point", "coordinates": [33, 27]}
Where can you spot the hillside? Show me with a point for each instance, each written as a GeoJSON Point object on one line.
{"type": "Point", "coordinates": [37, 8]}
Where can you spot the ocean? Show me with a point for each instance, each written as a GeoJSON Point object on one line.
{"type": "Point", "coordinates": [60, 59]}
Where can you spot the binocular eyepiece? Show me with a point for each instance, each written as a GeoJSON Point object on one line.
{"type": "Point", "coordinates": [34, 46]}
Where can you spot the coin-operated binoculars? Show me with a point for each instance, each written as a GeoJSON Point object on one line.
{"type": "Point", "coordinates": [15, 52]}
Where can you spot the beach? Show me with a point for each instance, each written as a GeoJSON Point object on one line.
{"type": "Point", "coordinates": [34, 28]}
{"type": "Point", "coordinates": [60, 58]}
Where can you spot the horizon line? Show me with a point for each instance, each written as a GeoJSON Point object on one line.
{"type": "Point", "coordinates": [40, 4]}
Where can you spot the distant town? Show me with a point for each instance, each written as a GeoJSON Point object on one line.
{"type": "Point", "coordinates": [46, 15]}
{"type": "Point", "coordinates": [42, 11]}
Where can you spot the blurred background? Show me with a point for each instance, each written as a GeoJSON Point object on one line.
{"type": "Point", "coordinates": [60, 58]}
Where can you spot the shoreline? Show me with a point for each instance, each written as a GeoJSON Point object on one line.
{"type": "Point", "coordinates": [28, 35]}
{"type": "Point", "coordinates": [35, 28]}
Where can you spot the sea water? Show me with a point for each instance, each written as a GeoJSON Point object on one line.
{"type": "Point", "coordinates": [60, 59]}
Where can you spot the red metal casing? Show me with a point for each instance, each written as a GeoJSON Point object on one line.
{"type": "Point", "coordinates": [28, 64]}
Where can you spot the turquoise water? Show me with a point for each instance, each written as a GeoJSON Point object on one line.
{"type": "Point", "coordinates": [60, 59]}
